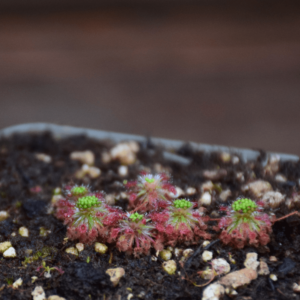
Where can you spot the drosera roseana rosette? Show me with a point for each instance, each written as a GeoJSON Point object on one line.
{"type": "Point", "coordinates": [150, 192]}
{"type": "Point", "coordinates": [87, 215]}
{"type": "Point", "coordinates": [134, 235]}
{"type": "Point", "coordinates": [245, 223]}
{"type": "Point", "coordinates": [179, 223]}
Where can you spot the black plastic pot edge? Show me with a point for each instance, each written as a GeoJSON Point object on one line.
{"type": "Point", "coordinates": [62, 131]}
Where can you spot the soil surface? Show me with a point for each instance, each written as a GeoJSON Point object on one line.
{"type": "Point", "coordinates": [84, 275]}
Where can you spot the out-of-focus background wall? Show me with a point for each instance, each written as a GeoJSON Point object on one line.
{"type": "Point", "coordinates": [219, 72]}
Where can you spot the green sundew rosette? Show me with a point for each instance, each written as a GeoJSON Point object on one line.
{"type": "Point", "coordinates": [87, 202]}
{"type": "Point", "coordinates": [245, 205]}
{"type": "Point", "coordinates": [136, 217]}
{"type": "Point", "coordinates": [79, 191]}
{"type": "Point", "coordinates": [182, 203]}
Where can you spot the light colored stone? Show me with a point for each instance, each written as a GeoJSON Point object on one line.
{"type": "Point", "coordinates": [85, 157]}
{"type": "Point", "coordinates": [178, 252]}
{"type": "Point", "coordinates": [94, 172]}
{"type": "Point", "coordinates": [3, 215]}
{"type": "Point", "coordinates": [238, 278]}
{"type": "Point", "coordinates": [191, 191]}
{"type": "Point", "coordinates": [179, 193]}
{"type": "Point", "coordinates": [115, 275]}
{"type": "Point", "coordinates": [38, 293]}
{"type": "Point", "coordinates": [207, 274]}
{"type": "Point", "coordinates": [273, 258]}
{"type": "Point", "coordinates": [187, 253]}
{"type": "Point", "coordinates": [251, 261]}
{"type": "Point", "coordinates": [170, 266]}
{"type": "Point", "coordinates": [165, 254]}
{"type": "Point", "coordinates": [296, 288]}
{"type": "Point", "coordinates": [280, 178]}
{"type": "Point", "coordinates": [125, 152]}
{"type": "Point", "coordinates": [55, 297]}
{"type": "Point", "coordinates": [259, 187]}
{"type": "Point", "coordinates": [44, 231]}
{"type": "Point", "coordinates": [225, 157]}
{"type": "Point", "coordinates": [220, 266]}
{"type": "Point", "coordinates": [214, 174]}
{"type": "Point", "coordinates": [207, 255]}
{"type": "Point", "coordinates": [207, 186]}
{"type": "Point", "coordinates": [205, 199]}
{"type": "Point", "coordinates": [272, 166]}
{"type": "Point", "coordinates": [272, 199]}
{"type": "Point", "coordinates": [240, 177]}
{"type": "Point", "coordinates": [110, 199]}
{"type": "Point", "coordinates": [56, 198]}
{"type": "Point", "coordinates": [4, 246]}
{"type": "Point", "coordinates": [13, 234]}
{"type": "Point", "coordinates": [123, 171]}
{"type": "Point", "coordinates": [17, 283]}
{"type": "Point", "coordinates": [205, 243]}
{"type": "Point", "coordinates": [33, 279]}
{"type": "Point", "coordinates": [72, 250]}
{"type": "Point", "coordinates": [153, 258]}
{"type": "Point", "coordinates": [105, 157]}
{"type": "Point", "coordinates": [231, 292]}
{"type": "Point", "coordinates": [235, 159]}
{"type": "Point", "coordinates": [101, 248]}
{"type": "Point", "coordinates": [129, 296]}
{"type": "Point", "coordinates": [225, 194]}
{"type": "Point", "coordinates": [214, 291]}
{"type": "Point", "coordinates": [263, 268]}
{"type": "Point", "coordinates": [23, 231]}
{"type": "Point", "coordinates": [43, 157]}
{"type": "Point", "coordinates": [273, 277]}
{"type": "Point", "coordinates": [10, 252]}
{"type": "Point", "coordinates": [79, 247]}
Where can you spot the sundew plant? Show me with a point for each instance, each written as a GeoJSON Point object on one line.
{"type": "Point", "coordinates": [156, 220]}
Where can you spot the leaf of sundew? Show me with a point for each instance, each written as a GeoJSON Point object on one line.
{"type": "Point", "coordinates": [91, 222]}
{"type": "Point", "coordinates": [255, 224]}
{"type": "Point", "coordinates": [98, 221]}
{"type": "Point", "coordinates": [141, 193]}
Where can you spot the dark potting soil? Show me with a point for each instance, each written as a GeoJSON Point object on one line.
{"type": "Point", "coordinates": [144, 278]}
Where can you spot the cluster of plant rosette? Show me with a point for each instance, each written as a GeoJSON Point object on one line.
{"type": "Point", "coordinates": [155, 219]}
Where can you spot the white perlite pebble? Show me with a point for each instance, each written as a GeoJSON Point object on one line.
{"type": "Point", "coordinates": [79, 247]}
{"type": "Point", "coordinates": [179, 193]}
{"type": "Point", "coordinates": [259, 187]}
{"type": "Point", "coordinates": [207, 255]}
{"type": "Point", "coordinates": [43, 157]}
{"type": "Point", "coordinates": [251, 261]}
{"type": "Point", "coordinates": [165, 254]}
{"type": "Point", "coordinates": [272, 199]}
{"type": "Point", "coordinates": [23, 231]}
{"type": "Point", "coordinates": [92, 172]}
{"type": "Point", "coordinates": [3, 215]}
{"type": "Point", "coordinates": [205, 243]}
{"type": "Point", "coordinates": [263, 268]}
{"type": "Point", "coordinates": [85, 157]}
{"type": "Point", "coordinates": [205, 199]}
{"type": "Point", "coordinates": [280, 178]}
{"type": "Point", "coordinates": [235, 160]}
{"type": "Point", "coordinates": [170, 266]}
{"type": "Point", "coordinates": [4, 246]}
{"type": "Point", "coordinates": [213, 292]}
{"type": "Point", "coordinates": [38, 293]}
{"type": "Point", "coordinates": [221, 266]}
{"type": "Point", "coordinates": [10, 252]}
{"type": "Point", "coordinates": [191, 191]}
{"type": "Point", "coordinates": [17, 283]}
{"type": "Point", "coordinates": [123, 171]}
{"type": "Point", "coordinates": [296, 288]}
{"type": "Point", "coordinates": [225, 194]}
{"type": "Point", "coordinates": [55, 297]}
{"type": "Point", "coordinates": [72, 250]}
{"type": "Point", "coordinates": [101, 248]}
{"type": "Point", "coordinates": [273, 277]}
{"type": "Point", "coordinates": [125, 152]}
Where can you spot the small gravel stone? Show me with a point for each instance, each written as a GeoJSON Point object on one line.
{"type": "Point", "coordinates": [273, 259]}
{"type": "Point", "coordinates": [263, 268]}
{"type": "Point", "coordinates": [296, 288]}
{"type": "Point", "coordinates": [38, 293]}
{"type": "Point", "coordinates": [207, 186]}
{"type": "Point", "coordinates": [72, 250]}
{"type": "Point", "coordinates": [205, 199]}
{"type": "Point", "coordinates": [280, 178]}
{"type": "Point", "coordinates": [123, 171]}
{"type": "Point", "coordinates": [272, 199]}
{"type": "Point", "coordinates": [214, 291]}
{"type": "Point", "coordinates": [225, 194]}
{"type": "Point", "coordinates": [43, 157]}
{"type": "Point", "coordinates": [17, 283]}
{"type": "Point", "coordinates": [273, 277]}
{"type": "Point", "coordinates": [33, 279]}
{"type": "Point", "coordinates": [221, 266]}
{"type": "Point", "coordinates": [23, 231]}
{"type": "Point", "coordinates": [205, 243]}
{"type": "Point", "coordinates": [259, 187]}
{"type": "Point", "coordinates": [55, 297]}
{"type": "Point", "coordinates": [178, 252]}
{"type": "Point", "coordinates": [207, 255]}
{"type": "Point", "coordinates": [179, 193]}
{"type": "Point", "coordinates": [165, 254]}
{"type": "Point", "coordinates": [238, 278]}
{"type": "Point", "coordinates": [101, 248]}
{"type": "Point", "coordinates": [115, 275]}
{"type": "Point", "coordinates": [225, 157]}
{"type": "Point", "coordinates": [251, 261]}
{"type": "Point", "coordinates": [125, 152]}
{"type": "Point", "coordinates": [3, 215]}
{"type": "Point", "coordinates": [170, 266]}
{"type": "Point", "coordinates": [10, 252]}
{"type": "Point", "coordinates": [85, 157]}
{"type": "Point", "coordinates": [214, 174]}
{"type": "Point", "coordinates": [4, 246]}
{"type": "Point", "coordinates": [191, 191]}
{"type": "Point", "coordinates": [235, 160]}
{"type": "Point", "coordinates": [79, 247]}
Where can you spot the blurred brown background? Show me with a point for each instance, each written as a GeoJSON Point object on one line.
{"type": "Point", "coordinates": [219, 72]}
